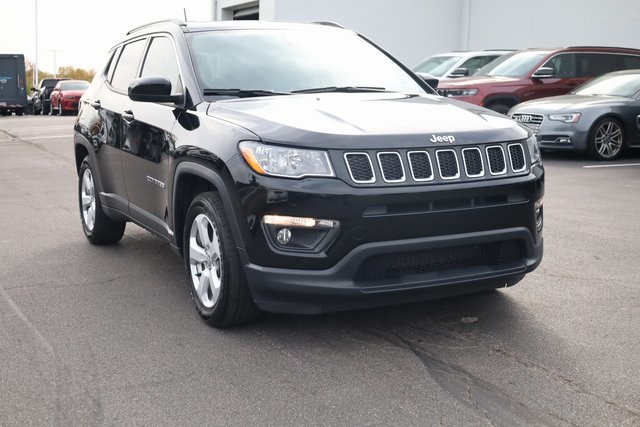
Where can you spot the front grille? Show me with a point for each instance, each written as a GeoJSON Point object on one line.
{"type": "Point", "coordinates": [516, 157]}
{"type": "Point", "coordinates": [532, 121]}
{"type": "Point", "coordinates": [448, 164]}
{"type": "Point", "coordinates": [472, 162]}
{"type": "Point", "coordinates": [360, 167]}
{"type": "Point", "coordinates": [391, 167]}
{"type": "Point", "coordinates": [398, 265]}
{"type": "Point", "coordinates": [497, 163]}
{"type": "Point", "coordinates": [420, 164]}
{"type": "Point", "coordinates": [436, 165]}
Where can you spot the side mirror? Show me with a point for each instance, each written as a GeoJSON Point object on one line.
{"type": "Point", "coordinates": [459, 72]}
{"type": "Point", "coordinates": [152, 89]}
{"type": "Point", "coordinates": [429, 79]}
{"type": "Point", "coordinates": [544, 73]}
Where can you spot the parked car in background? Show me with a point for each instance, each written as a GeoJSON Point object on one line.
{"type": "Point", "coordinates": [457, 64]}
{"type": "Point", "coordinates": [13, 93]}
{"type": "Point", "coordinates": [40, 99]}
{"type": "Point", "coordinates": [601, 117]}
{"type": "Point", "coordinates": [66, 95]}
{"type": "Point", "coordinates": [537, 73]}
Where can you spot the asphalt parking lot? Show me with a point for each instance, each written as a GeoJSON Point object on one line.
{"type": "Point", "coordinates": [108, 335]}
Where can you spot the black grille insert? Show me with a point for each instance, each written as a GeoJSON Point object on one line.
{"type": "Point", "coordinates": [516, 154]}
{"type": "Point", "coordinates": [391, 167]}
{"type": "Point", "coordinates": [473, 162]}
{"type": "Point", "coordinates": [420, 164]}
{"type": "Point", "coordinates": [497, 164]}
{"type": "Point", "coordinates": [448, 164]}
{"type": "Point", "coordinates": [394, 266]}
{"type": "Point", "coordinates": [360, 168]}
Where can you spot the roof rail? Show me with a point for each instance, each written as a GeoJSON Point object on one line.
{"type": "Point", "coordinates": [601, 47]}
{"type": "Point", "coordinates": [173, 21]}
{"type": "Point", "coordinates": [328, 23]}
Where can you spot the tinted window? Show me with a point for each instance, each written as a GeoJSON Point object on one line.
{"type": "Point", "coordinates": [597, 64]}
{"type": "Point", "coordinates": [625, 85]}
{"type": "Point", "coordinates": [631, 62]}
{"type": "Point", "coordinates": [474, 64]}
{"type": "Point", "coordinates": [112, 65]}
{"type": "Point", "coordinates": [161, 62]}
{"type": "Point", "coordinates": [564, 65]}
{"type": "Point", "coordinates": [127, 67]}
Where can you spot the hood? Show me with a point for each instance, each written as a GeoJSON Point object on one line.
{"type": "Point", "coordinates": [471, 82]}
{"type": "Point", "coordinates": [371, 120]}
{"type": "Point", "coordinates": [564, 103]}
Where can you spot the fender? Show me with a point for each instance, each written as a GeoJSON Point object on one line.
{"type": "Point", "coordinates": [222, 184]}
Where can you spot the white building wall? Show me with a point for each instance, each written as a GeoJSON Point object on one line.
{"type": "Point", "coordinates": [553, 23]}
{"type": "Point", "coordinates": [411, 30]}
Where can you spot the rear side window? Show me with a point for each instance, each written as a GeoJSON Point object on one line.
{"type": "Point", "coordinates": [597, 64]}
{"type": "Point", "coordinates": [127, 67]}
{"type": "Point", "coordinates": [631, 62]}
{"type": "Point", "coordinates": [161, 62]}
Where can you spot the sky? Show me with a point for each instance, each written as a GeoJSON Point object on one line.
{"type": "Point", "coordinates": [82, 31]}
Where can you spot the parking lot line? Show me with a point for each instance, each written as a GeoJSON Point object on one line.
{"type": "Point", "coordinates": [48, 137]}
{"type": "Point", "coordinates": [621, 165]}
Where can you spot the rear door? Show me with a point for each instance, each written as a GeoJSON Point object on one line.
{"type": "Point", "coordinates": [148, 141]}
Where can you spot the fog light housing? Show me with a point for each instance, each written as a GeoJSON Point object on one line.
{"type": "Point", "coordinates": [539, 215]}
{"type": "Point", "coordinates": [299, 234]}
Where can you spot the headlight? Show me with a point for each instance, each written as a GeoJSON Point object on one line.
{"type": "Point", "coordinates": [534, 150]}
{"type": "Point", "coordinates": [285, 161]}
{"type": "Point", "coordinates": [459, 92]}
{"type": "Point", "coordinates": [566, 118]}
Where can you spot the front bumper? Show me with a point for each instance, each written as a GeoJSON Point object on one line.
{"type": "Point", "coordinates": [446, 231]}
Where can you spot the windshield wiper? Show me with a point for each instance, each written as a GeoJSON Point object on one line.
{"type": "Point", "coordinates": [242, 93]}
{"type": "Point", "coordinates": [347, 89]}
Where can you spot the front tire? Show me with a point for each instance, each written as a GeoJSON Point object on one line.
{"type": "Point", "coordinates": [98, 228]}
{"type": "Point", "coordinates": [499, 107]}
{"type": "Point", "coordinates": [606, 139]}
{"type": "Point", "coordinates": [216, 282]}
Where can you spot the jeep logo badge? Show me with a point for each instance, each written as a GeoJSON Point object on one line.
{"type": "Point", "coordinates": [446, 138]}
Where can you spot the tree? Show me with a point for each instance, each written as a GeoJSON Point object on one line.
{"type": "Point", "coordinates": [70, 72]}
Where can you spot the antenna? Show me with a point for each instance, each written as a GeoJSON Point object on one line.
{"type": "Point", "coordinates": [184, 10]}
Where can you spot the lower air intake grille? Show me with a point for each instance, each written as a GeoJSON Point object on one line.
{"type": "Point", "coordinates": [394, 266]}
{"type": "Point", "coordinates": [360, 167]}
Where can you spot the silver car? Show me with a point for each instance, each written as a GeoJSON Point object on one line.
{"type": "Point", "coordinates": [457, 64]}
{"type": "Point", "coordinates": [601, 117]}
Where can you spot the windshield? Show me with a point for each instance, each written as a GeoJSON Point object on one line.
{"type": "Point", "coordinates": [74, 86]}
{"type": "Point", "coordinates": [293, 60]}
{"type": "Point", "coordinates": [514, 65]}
{"type": "Point", "coordinates": [625, 85]}
{"type": "Point", "coordinates": [436, 65]}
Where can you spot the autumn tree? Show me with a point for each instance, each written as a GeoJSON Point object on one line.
{"type": "Point", "coordinates": [70, 72]}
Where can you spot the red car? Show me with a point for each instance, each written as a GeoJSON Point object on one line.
{"type": "Point", "coordinates": [66, 95]}
{"type": "Point", "coordinates": [535, 73]}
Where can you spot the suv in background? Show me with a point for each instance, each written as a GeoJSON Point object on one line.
{"type": "Point", "coordinates": [40, 97]}
{"type": "Point", "coordinates": [325, 177]}
{"type": "Point", "coordinates": [536, 73]}
{"type": "Point", "coordinates": [458, 64]}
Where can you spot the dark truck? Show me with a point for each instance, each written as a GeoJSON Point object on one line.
{"type": "Point", "coordinates": [13, 93]}
{"type": "Point", "coordinates": [42, 96]}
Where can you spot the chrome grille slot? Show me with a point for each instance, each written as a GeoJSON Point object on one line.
{"type": "Point", "coordinates": [448, 164]}
{"type": "Point", "coordinates": [517, 158]}
{"type": "Point", "coordinates": [472, 159]}
{"type": "Point", "coordinates": [420, 165]}
{"type": "Point", "coordinates": [532, 121]}
{"type": "Point", "coordinates": [496, 160]}
{"type": "Point", "coordinates": [391, 167]}
{"type": "Point", "coordinates": [360, 167]}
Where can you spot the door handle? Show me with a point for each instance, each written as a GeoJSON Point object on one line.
{"type": "Point", "coordinates": [128, 117]}
{"type": "Point", "coordinates": [96, 105]}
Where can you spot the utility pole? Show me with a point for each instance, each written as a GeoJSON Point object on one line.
{"type": "Point", "coordinates": [55, 67]}
{"type": "Point", "coordinates": [35, 72]}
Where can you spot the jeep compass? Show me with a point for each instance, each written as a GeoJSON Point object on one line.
{"type": "Point", "coordinates": [300, 168]}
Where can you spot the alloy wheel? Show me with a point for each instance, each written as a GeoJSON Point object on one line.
{"type": "Point", "coordinates": [205, 260]}
{"type": "Point", "coordinates": [87, 194]}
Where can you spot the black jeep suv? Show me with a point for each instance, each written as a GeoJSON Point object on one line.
{"type": "Point", "coordinates": [299, 168]}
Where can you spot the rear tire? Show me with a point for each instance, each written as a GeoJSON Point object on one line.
{"type": "Point", "coordinates": [98, 228]}
{"type": "Point", "coordinates": [215, 278]}
{"type": "Point", "coordinates": [606, 139]}
{"type": "Point", "coordinates": [52, 110]}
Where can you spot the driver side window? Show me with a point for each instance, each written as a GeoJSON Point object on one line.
{"type": "Point", "coordinates": [564, 65]}
{"type": "Point", "coordinates": [161, 62]}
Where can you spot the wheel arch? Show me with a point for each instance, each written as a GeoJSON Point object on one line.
{"type": "Point", "coordinates": [507, 99]}
{"type": "Point", "coordinates": [192, 178]}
